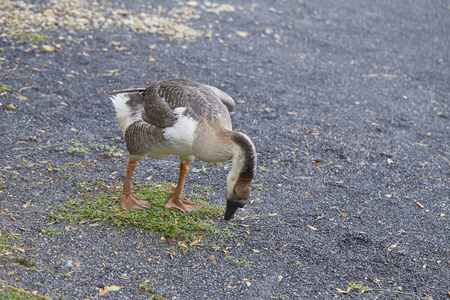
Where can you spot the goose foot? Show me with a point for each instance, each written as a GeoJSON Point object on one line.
{"type": "Point", "coordinates": [181, 204]}
{"type": "Point", "coordinates": [130, 202]}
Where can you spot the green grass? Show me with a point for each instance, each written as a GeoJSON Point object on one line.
{"type": "Point", "coordinates": [51, 231]}
{"type": "Point", "coordinates": [12, 293]}
{"type": "Point", "coordinates": [359, 287]}
{"type": "Point", "coordinates": [78, 150]}
{"type": "Point", "coordinates": [5, 88]}
{"type": "Point", "coordinates": [5, 247]}
{"type": "Point", "coordinates": [187, 229]}
{"type": "Point", "coordinates": [32, 36]}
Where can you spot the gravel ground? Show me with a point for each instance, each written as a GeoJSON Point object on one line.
{"type": "Point", "coordinates": [346, 102]}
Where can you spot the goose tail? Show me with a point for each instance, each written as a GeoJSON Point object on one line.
{"type": "Point", "coordinates": [128, 108]}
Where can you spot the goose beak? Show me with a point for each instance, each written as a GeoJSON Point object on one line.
{"type": "Point", "coordinates": [232, 206]}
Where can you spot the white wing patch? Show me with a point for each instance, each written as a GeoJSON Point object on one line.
{"type": "Point", "coordinates": [181, 135]}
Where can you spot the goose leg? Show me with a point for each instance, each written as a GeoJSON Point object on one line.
{"type": "Point", "coordinates": [128, 200]}
{"type": "Point", "coordinates": [175, 199]}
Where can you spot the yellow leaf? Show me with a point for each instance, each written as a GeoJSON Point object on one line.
{"type": "Point", "coordinates": [113, 288]}
{"type": "Point", "coordinates": [343, 213]}
{"type": "Point", "coordinates": [107, 289]}
{"type": "Point", "coordinates": [11, 106]}
{"type": "Point", "coordinates": [151, 59]}
{"type": "Point", "coordinates": [48, 48]}
{"type": "Point", "coordinates": [255, 250]}
{"type": "Point", "coordinates": [102, 292]}
{"type": "Point", "coordinates": [280, 277]}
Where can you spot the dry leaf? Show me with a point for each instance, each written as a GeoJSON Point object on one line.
{"type": "Point", "coordinates": [343, 213]}
{"type": "Point", "coordinates": [151, 59]}
{"type": "Point", "coordinates": [389, 161]}
{"type": "Point", "coordinates": [11, 106]}
{"type": "Point", "coordinates": [343, 291]}
{"type": "Point", "coordinates": [280, 277]}
{"type": "Point", "coordinates": [22, 97]}
{"type": "Point", "coordinates": [107, 289]}
{"type": "Point", "coordinates": [292, 113]}
{"type": "Point", "coordinates": [243, 33]}
{"type": "Point", "coordinates": [213, 259]}
{"type": "Point", "coordinates": [48, 48]}
{"type": "Point", "coordinates": [255, 250]}
{"type": "Point", "coordinates": [311, 227]}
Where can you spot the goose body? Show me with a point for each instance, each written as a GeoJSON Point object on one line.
{"type": "Point", "coordinates": [190, 120]}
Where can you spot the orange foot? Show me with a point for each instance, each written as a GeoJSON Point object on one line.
{"type": "Point", "coordinates": [130, 202]}
{"type": "Point", "coordinates": [181, 204]}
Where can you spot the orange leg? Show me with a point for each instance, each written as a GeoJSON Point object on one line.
{"type": "Point", "coordinates": [128, 200]}
{"type": "Point", "coordinates": [175, 199]}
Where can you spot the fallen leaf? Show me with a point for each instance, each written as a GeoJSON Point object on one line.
{"type": "Point", "coordinates": [292, 113]}
{"type": "Point", "coordinates": [107, 289]}
{"type": "Point", "coordinates": [22, 97]}
{"type": "Point", "coordinates": [343, 291]}
{"type": "Point", "coordinates": [280, 277]}
{"type": "Point", "coordinates": [389, 161]}
{"type": "Point", "coordinates": [343, 213]}
{"type": "Point", "coordinates": [213, 259]}
{"type": "Point", "coordinates": [48, 48]}
{"type": "Point", "coordinates": [255, 250]}
{"type": "Point", "coordinates": [11, 106]}
{"type": "Point", "coordinates": [26, 205]}
{"type": "Point", "coordinates": [243, 33]}
{"type": "Point", "coordinates": [311, 227]}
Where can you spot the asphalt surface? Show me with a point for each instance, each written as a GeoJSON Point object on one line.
{"type": "Point", "coordinates": [347, 104]}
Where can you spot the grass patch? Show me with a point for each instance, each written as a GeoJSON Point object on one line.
{"type": "Point", "coordinates": [187, 229]}
{"type": "Point", "coordinates": [36, 37]}
{"type": "Point", "coordinates": [242, 261]}
{"type": "Point", "coordinates": [5, 247]}
{"type": "Point", "coordinates": [24, 262]}
{"type": "Point", "coordinates": [5, 88]}
{"type": "Point", "coordinates": [12, 293]}
{"type": "Point", "coordinates": [51, 231]}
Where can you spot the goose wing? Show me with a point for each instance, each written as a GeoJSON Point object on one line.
{"type": "Point", "coordinates": [202, 102]}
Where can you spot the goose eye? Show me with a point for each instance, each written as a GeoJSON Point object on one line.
{"type": "Point", "coordinates": [234, 192]}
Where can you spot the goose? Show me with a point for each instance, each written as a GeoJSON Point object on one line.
{"type": "Point", "coordinates": [190, 120]}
